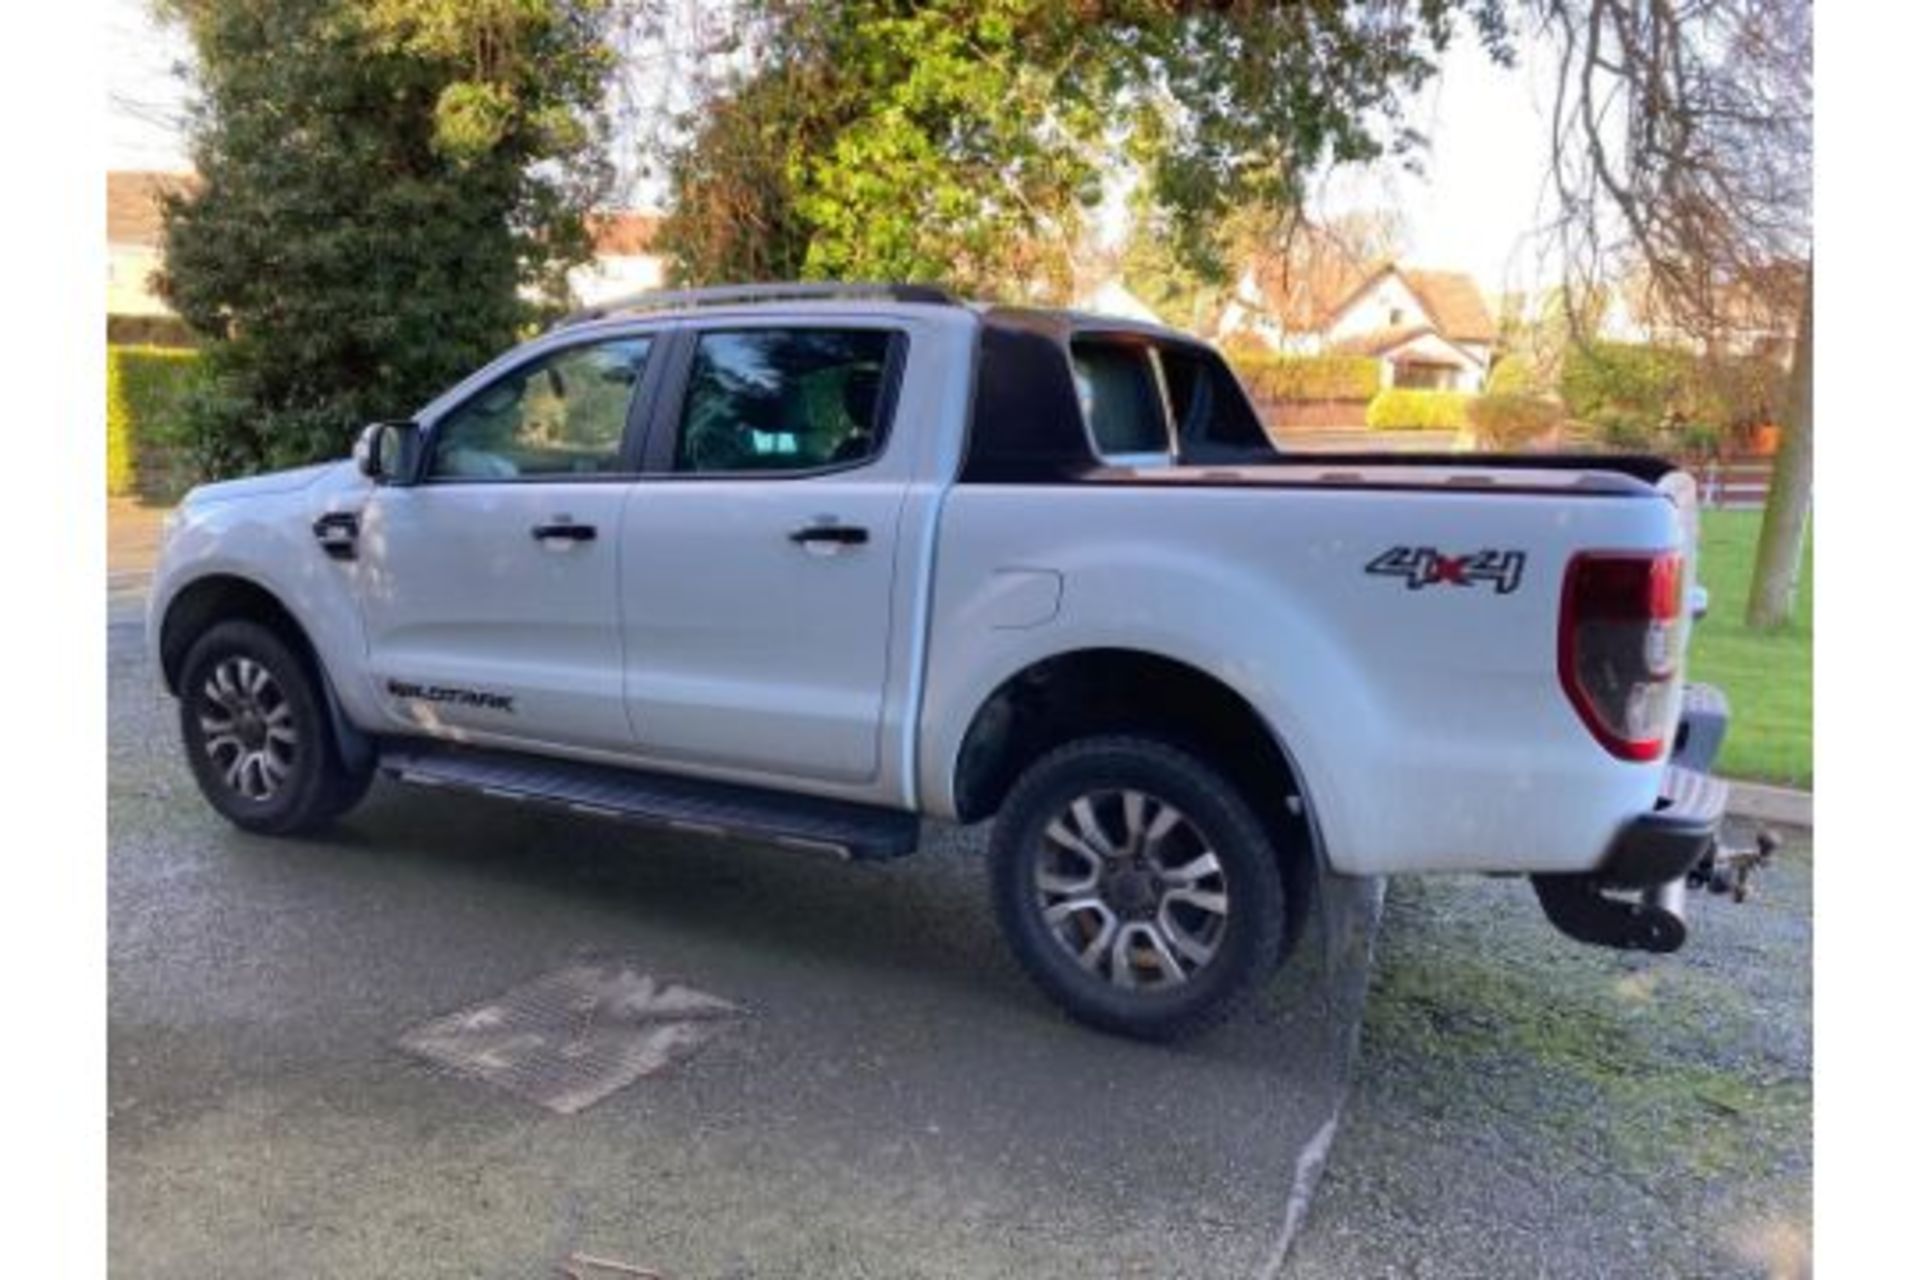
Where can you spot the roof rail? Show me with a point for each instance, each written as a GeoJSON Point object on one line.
{"type": "Point", "coordinates": [728, 294]}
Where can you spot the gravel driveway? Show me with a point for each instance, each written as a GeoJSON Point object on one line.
{"type": "Point", "coordinates": [1525, 1107]}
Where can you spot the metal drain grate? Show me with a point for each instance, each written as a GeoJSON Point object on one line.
{"type": "Point", "coordinates": [570, 1038]}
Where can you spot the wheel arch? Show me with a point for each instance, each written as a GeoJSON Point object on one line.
{"type": "Point", "coordinates": [1079, 692]}
{"type": "Point", "coordinates": [222, 597]}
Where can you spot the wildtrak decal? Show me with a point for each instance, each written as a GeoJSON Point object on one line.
{"type": "Point", "coordinates": [1425, 567]}
{"type": "Point", "coordinates": [450, 693]}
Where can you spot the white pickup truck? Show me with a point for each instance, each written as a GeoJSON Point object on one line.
{"type": "Point", "coordinates": [805, 564]}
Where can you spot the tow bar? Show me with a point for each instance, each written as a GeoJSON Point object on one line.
{"type": "Point", "coordinates": [1653, 918]}
{"type": "Point", "coordinates": [1726, 870]}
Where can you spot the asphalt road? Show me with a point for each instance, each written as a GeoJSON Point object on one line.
{"type": "Point", "coordinates": [896, 1101]}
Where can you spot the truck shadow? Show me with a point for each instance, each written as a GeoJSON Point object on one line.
{"type": "Point", "coordinates": [923, 920]}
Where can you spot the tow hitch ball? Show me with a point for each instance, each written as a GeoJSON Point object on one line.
{"type": "Point", "coordinates": [1726, 870]}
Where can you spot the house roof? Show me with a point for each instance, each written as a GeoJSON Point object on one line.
{"type": "Point", "coordinates": [622, 234]}
{"type": "Point", "coordinates": [1451, 299]}
{"type": "Point", "coordinates": [133, 204]}
{"type": "Point", "coordinates": [1455, 303]}
{"type": "Point", "coordinates": [1306, 281]}
{"type": "Point", "coordinates": [1313, 278]}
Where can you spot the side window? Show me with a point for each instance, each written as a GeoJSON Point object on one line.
{"type": "Point", "coordinates": [1120, 398]}
{"type": "Point", "coordinates": [561, 415]}
{"type": "Point", "coordinates": [772, 400]}
{"type": "Point", "coordinates": [1207, 404]}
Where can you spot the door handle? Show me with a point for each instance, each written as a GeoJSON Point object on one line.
{"type": "Point", "coordinates": [338, 532]}
{"type": "Point", "coordinates": [845, 535]}
{"type": "Point", "coordinates": [565, 531]}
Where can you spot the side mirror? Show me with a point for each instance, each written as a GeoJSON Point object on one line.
{"type": "Point", "coordinates": [385, 451]}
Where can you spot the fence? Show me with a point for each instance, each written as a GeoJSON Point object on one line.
{"type": "Point", "coordinates": [1740, 483]}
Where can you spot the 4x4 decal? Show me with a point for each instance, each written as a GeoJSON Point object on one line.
{"type": "Point", "coordinates": [1425, 567]}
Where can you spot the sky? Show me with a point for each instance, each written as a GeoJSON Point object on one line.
{"type": "Point", "coordinates": [1472, 208]}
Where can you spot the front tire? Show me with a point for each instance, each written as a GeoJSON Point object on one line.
{"type": "Point", "coordinates": [1138, 887]}
{"type": "Point", "coordinates": [257, 735]}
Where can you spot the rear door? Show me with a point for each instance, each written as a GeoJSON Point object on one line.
{"type": "Point", "coordinates": [757, 566]}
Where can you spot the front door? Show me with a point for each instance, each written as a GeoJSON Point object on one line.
{"type": "Point", "coordinates": [489, 588]}
{"type": "Point", "coordinates": [757, 557]}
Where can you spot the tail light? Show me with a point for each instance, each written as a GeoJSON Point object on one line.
{"type": "Point", "coordinates": [1620, 635]}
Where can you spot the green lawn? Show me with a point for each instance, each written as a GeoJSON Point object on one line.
{"type": "Point", "coordinates": [1768, 677]}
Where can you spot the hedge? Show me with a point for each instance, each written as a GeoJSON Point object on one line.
{"type": "Point", "coordinates": [1412, 409]}
{"type": "Point", "coordinates": [1639, 395]}
{"type": "Point", "coordinates": [144, 386]}
{"type": "Point", "coordinates": [1280, 377]}
{"type": "Point", "coordinates": [1503, 420]}
{"type": "Point", "coordinates": [149, 331]}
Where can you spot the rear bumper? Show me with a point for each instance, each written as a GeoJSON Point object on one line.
{"type": "Point", "coordinates": [1669, 840]}
{"type": "Point", "coordinates": [1653, 853]}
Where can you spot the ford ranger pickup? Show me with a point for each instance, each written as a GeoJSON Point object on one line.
{"type": "Point", "coordinates": [805, 565]}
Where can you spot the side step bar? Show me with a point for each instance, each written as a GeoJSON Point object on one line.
{"type": "Point", "coordinates": [853, 832]}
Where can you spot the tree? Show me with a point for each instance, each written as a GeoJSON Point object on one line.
{"type": "Point", "coordinates": [1783, 529]}
{"type": "Point", "coordinates": [734, 216]}
{"type": "Point", "coordinates": [388, 193]}
{"type": "Point", "coordinates": [1683, 142]}
{"type": "Point", "coordinates": [968, 141]}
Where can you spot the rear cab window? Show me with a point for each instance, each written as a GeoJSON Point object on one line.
{"type": "Point", "coordinates": [1122, 401]}
{"type": "Point", "coordinates": [1148, 403]}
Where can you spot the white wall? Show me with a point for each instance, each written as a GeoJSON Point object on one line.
{"type": "Point", "coordinates": [1470, 374]}
{"type": "Point", "coordinates": [129, 268]}
{"type": "Point", "coordinates": [1388, 304]}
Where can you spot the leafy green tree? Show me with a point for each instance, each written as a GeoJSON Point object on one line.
{"type": "Point", "coordinates": [388, 193]}
{"type": "Point", "coordinates": [734, 216]}
{"type": "Point", "coordinates": [1157, 273]}
{"type": "Point", "coordinates": [968, 140]}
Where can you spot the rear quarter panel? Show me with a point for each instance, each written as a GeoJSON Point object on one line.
{"type": "Point", "coordinates": [1428, 725]}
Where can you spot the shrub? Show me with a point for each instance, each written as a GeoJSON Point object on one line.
{"type": "Point", "coordinates": [1278, 377]}
{"type": "Point", "coordinates": [1647, 382]}
{"type": "Point", "coordinates": [1244, 346]}
{"type": "Point", "coordinates": [1696, 441]}
{"type": "Point", "coordinates": [1740, 392]}
{"type": "Point", "coordinates": [1516, 375]}
{"type": "Point", "coordinates": [1625, 429]}
{"type": "Point", "coordinates": [1413, 409]}
{"type": "Point", "coordinates": [147, 388]}
{"type": "Point", "coordinates": [1507, 421]}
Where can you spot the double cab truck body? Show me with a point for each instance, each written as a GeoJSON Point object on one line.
{"type": "Point", "coordinates": [808, 564]}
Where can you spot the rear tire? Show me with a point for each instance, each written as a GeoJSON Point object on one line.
{"type": "Point", "coordinates": [1138, 887]}
{"type": "Point", "coordinates": [257, 734]}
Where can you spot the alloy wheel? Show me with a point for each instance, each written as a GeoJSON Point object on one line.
{"type": "Point", "coordinates": [1131, 888]}
{"type": "Point", "coordinates": [247, 728]}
